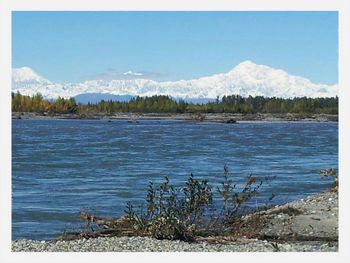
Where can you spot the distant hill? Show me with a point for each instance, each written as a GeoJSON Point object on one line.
{"type": "Point", "coordinates": [97, 97]}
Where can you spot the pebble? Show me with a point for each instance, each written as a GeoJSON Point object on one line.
{"type": "Point", "coordinates": [143, 244]}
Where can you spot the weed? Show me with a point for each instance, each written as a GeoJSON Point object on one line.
{"type": "Point", "coordinates": [275, 247]}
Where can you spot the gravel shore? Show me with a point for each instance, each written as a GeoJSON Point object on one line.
{"type": "Point", "coordinates": [204, 117]}
{"type": "Point", "coordinates": [145, 244]}
{"type": "Point", "coordinates": [309, 224]}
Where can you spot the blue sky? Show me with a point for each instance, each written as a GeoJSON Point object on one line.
{"type": "Point", "coordinates": [74, 46]}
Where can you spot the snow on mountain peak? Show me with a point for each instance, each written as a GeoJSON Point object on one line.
{"type": "Point", "coordinates": [247, 78]}
{"type": "Point", "coordinates": [248, 67]}
{"type": "Point", "coordinates": [246, 64]}
{"type": "Point", "coordinates": [26, 74]}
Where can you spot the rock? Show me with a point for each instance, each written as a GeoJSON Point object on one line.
{"type": "Point", "coordinates": [231, 121]}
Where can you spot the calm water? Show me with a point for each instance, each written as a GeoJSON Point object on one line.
{"type": "Point", "coordinates": [60, 167]}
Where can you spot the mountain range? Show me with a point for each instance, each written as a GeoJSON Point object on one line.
{"type": "Point", "coordinates": [247, 78]}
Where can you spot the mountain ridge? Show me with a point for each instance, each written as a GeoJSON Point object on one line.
{"type": "Point", "coordinates": [247, 78]}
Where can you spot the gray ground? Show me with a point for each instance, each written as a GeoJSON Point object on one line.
{"type": "Point", "coordinates": [207, 117]}
{"type": "Point", "coordinates": [312, 218]}
{"type": "Point", "coordinates": [309, 224]}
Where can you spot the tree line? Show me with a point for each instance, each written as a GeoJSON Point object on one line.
{"type": "Point", "coordinates": [165, 104]}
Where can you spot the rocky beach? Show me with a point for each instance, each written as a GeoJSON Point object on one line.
{"type": "Point", "coordinates": [206, 117]}
{"type": "Point", "coordinates": [308, 224]}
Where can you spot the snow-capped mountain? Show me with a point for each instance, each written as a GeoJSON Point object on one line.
{"type": "Point", "coordinates": [245, 79]}
{"type": "Point", "coordinates": [26, 75]}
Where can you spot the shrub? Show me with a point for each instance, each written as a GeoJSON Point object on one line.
{"type": "Point", "coordinates": [184, 212]}
{"type": "Point", "coordinates": [172, 213]}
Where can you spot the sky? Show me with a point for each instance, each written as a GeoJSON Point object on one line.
{"type": "Point", "coordinates": [77, 46]}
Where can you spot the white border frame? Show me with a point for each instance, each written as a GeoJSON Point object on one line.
{"type": "Point", "coordinates": [6, 6]}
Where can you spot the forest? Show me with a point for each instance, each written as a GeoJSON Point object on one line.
{"type": "Point", "coordinates": [165, 104]}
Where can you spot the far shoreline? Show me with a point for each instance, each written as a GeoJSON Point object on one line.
{"type": "Point", "coordinates": [228, 118]}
